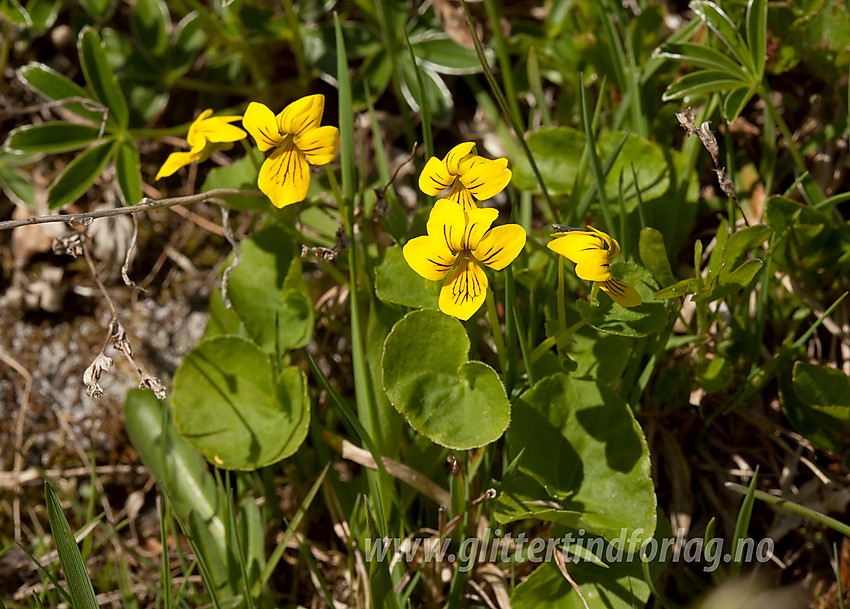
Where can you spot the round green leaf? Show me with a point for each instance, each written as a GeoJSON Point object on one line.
{"type": "Point", "coordinates": [79, 175]}
{"type": "Point", "coordinates": [240, 174]}
{"type": "Point", "coordinates": [230, 408]}
{"type": "Point", "coordinates": [428, 378]}
{"type": "Point", "coordinates": [100, 77]}
{"type": "Point", "coordinates": [557, 151]}
{"type": "Point", "coordinates": [648, 162]}
{"type": "Point", "coordinates": [607, 316]}
{"type": "Point", "coordinates": [397, 283]}
{"type": "Point", "coordinates": [52, 137]}
{"type": "Point", "coordinates": [583, 444]}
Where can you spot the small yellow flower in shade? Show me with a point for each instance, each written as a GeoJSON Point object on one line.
{"type": "Point", "coordinates": [466, 175]}
{"type": "Point", "coordinates": [206, 134]}
{"type": "Point", "coordinates": [465, 238]}
{"type": "Point", "coordinates": [298, 138]}
{"type": "Point", "coordinates": [592, 251]}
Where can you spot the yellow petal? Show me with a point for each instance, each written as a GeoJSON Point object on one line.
{"type": "Point", "coordinates": [610, 242]}
{"type": "Point", "coordinates": [575, 244]}
{"type": "Point", "coordinates": [620, 292]}
{"type": "Point", "coordinates": [219, 130]}
{"type": "Point", "coordinates": [500, 246]}
{"type": "Point", "coordinates": [594, 266]}
{"type": "Point", "coordinates": [260, 123]}
{"type": "Point", "coordinates": [435, 178]}
{"type": "Point", "coordinates": [456, 155]}
{"type": "Point", "coordinates": [285, 176]}
{"type": "Point", "coordinates": [478, 222]}
{"type": "Point", "coordinates": [318, 145]}
{"type": "Point", "coordinates": [195, 137]}
{"type": "Point", "coordinates": [485, 178]}
{"type": "Point", "coordinates": [464, 291]}
{"type": "Point", "coordinates": [301, 115]}
{"type": "Point", "coordinates": [446, 223]}
{"type": "Point", "coordinates": [175, 161]}
{"type": "Point", "coordinates": [461, 196]}
{"type": "Point", "coordinates": [429, 257]}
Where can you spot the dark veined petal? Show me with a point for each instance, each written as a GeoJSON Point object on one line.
{"type": "Point", "coordinates": [500, 246]}
{"type": "Point", "coordinates": [429, 257]}
{"type": "Point", "coordinates": [478, 221]}
{"type": "Point", "coordinates": [464, 291]}
{"type": "Point", "coordinates": [456, 155]}
{"type": "Point", "coordinates": [593, 265]}
{"type": "Point", "coordinates": [435, 178]}
{"type": "Point", "coordinates": [320, 145]}
{"type": "Point", "coordinates": [575, 244]}
{"type": "Point", "coordinates": [620, 292]}
{"type": "Point", "coordinates": [461, 196]}
{"type": "Point", "coordinates": [447, 222]}
{"type": "Point", "coordinates": [484, 178]}
{"type": "Point", "coordinates": [285, 176]}
{"type": "Point", "coordinates": [260, 123]}
{"type": "Point", "coordinates": [301, 115]}
{"type": "Point", "coordinates": [610, 243]}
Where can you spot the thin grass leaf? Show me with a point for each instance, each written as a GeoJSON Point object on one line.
{"type": "Point", "coordinates": [720, 24]}
{"type": "Point", "coordinates": [164, 509]}
{"type": "Point", "coordinates": [45, 574]}
{"type": "Point", "coordinates": [757, 34]}
{"type": "Point", "coordinates": [79, 584]}
{"type": "Point", "coordinates": [425, 111]}
{"type": "Point", "coordinates": [595, 164]}
{"type": "Point", "coordinates": [742, 525]}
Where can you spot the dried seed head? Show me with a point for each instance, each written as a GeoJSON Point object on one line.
{"type": "Point", "coordinates": [91, 376]}
{"type": "Point", "coordinates": [70, 245]}
{"type": "Point", "coordinates": [154, 384]}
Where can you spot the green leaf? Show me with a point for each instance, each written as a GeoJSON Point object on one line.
{"type": "Point", "coordinates": [454, 402]}
{"type": "Point", "coordinates": [716, 375]}
{"type": "Point", "coordinates": [99, 9]}
{"type": "Point", "coordinates": [52, 137]}
{"type": "Point", "coordinates": [100, 77]}
{"type": "Point", "coordinates": [735, 100]}
{"type": "Point", "coordinates": [241, 174]}
{"type": "Point", "coordinates": [397, 283]}
{"type": "Point", "coordinates": [620, 586]}
{"type": "Point", "coordinates": [187, 41]}
{"type": "Point", "coordinates": [584, 446]}
{"type": "Point", "coordinates": [733, 281]}
{"type": "Point", "coordinates": [821, 386]}
{"type": "Point", "coordinates": [79, 175]}
{"type": "Point", "coordinates": [54, 86]}
{"type": "Point", "coordinates": [556, 151]}
{"type": "Point", "coordinates": [680, 288]}
{"type": "Point", "coordinates": [608, 316]}
{"type": "Point", "coordinates": [17, 185]}
{"type": "Point", "coordinates": [149, 22]}
{"type": "Point", "coordinates": [704, 56]}
{"type": "Point", "coordinates": [653, 255]}
{"type": "Point", "coordinates": [266, 294]}
{"type": "Point", "coordinates": [438, 52]}
{"type": "Point", "coordinates": [646, 157]}
{"type": "Point", "coordinates": [827, 427]}
{"type": "Point", "coordinates": [721, 25]}
{"type": "Point", "coordinates": [230, 407]}
{"type": "Point", "coordinates": [128, 171]}
{"type": "Point", "coordinates": [15, 13]}
{"type": "Point", "coordinates": [79, 584]}
{"type": "Point", "coordinates": [699, 83]}
{"type": "Point", "coordinates": [43, 13]}
{"type": "Point", "coordinates": [439, 97]}
{"type": "Point", "coordinates": [757, 34]}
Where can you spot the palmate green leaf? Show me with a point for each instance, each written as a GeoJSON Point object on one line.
{"type": "Point", "coordinates": [439, 97]}
{"type": "Point", "coordinates": [229, 405]}
{"type": "Point", "coordinates": [149, 22]}
{"type": "Point", "coordinates": [397, 283]}
{"type": "Point", "coordinates": [607, 316]}
{"type": "Point", "coordinates": [100, 77]}
{"type": "Point", "coordinates": [720, 24]}
{"type": "Point", "coordinates": [429, 379]}
{"type": "Point", "coordinates": [187, 41]}
{"type": "Point", "coordinates": [757, 35]}
{"type": "Point", "coordinates": [703, 82]}
{"type": "Point", "coordinates": [79, 584]}
{"type": "Point", "coordinates": [54, 86]}
{"type": "Point", "coordinates": [17, 185]}
{"type": "Point", "coordinates": [704, 56]}
{"type": "Point", "coordinates": [438, 52]}
{"type": "Point", "coordinates": [14, 12]}
{"type": "Point", "coordinates": [79, 175]}
{"type": "Point", "coordinates": [584, 446]}
{"type": "Point", "coordinates": [735, 101]}
{"type": "Point", "coordinates": [52, 137]}
{"type": "Point", "coordinates": [43, 13]}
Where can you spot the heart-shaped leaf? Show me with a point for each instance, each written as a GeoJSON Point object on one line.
{"type": "Point", "coordinates": [428, 378]}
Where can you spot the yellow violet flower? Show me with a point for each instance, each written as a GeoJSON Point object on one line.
{"type": "Point", "coordinates": [465, 238]}
{"type": "Point", "coordinates": [298, 138]}
{"type": "Point", "coordinates": [466, 175]}
{"type": "Point", "coordinates": [205, 135]}
{"type": "Point", "coordinates": [592, 251]}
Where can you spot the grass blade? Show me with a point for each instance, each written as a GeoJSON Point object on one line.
{"type": "Point", "coordinates": [79, 584]}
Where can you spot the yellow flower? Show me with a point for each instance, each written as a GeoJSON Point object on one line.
{"type": "Point", "coordinates": [466, 175]}
{"type": "Point", "coordinates": [205, 136]}
{"type": "Point", "coordinates": [285, 175]}
{"type": "Point", "coordinates": [466, 238]}
{"type": "Point", "coordinates": [592, 251]}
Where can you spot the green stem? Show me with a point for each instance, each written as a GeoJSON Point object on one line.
{"type": "Point", "coordinates": [496, 329]}
{"type": "Point", "coordinates": [504, 59]}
